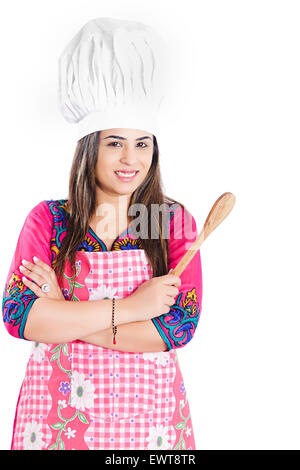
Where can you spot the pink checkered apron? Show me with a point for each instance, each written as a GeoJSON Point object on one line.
{"type": "Point", "coordinates": [80, 396]}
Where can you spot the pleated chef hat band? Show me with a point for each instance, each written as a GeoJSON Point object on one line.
{"type": "Point", "coordinates": [112, 74]}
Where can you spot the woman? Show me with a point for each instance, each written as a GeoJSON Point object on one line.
{"type": "Point", "coordinates": [105, 374]}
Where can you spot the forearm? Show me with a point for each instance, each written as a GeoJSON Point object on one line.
{"type": "Point", "coordinates": [61, 321]}
{"type": "Point", "coordinates": [140, 336]}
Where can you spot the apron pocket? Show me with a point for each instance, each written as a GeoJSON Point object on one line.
{"type": "Point", "coordinates": [118, 384]}
{"type": "Point", "coordinates": [133, 385]}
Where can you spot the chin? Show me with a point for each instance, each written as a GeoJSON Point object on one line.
{"type": "Point", "coordinates": [125, 191]}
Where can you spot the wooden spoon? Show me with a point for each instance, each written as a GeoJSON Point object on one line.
{"type": "Point", "coordinates": [219, 211]}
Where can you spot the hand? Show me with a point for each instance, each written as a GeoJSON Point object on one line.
{"type": "Point", "coordinates": [154, 297]}
{"type": "Point", "coordinates": [40, 272]}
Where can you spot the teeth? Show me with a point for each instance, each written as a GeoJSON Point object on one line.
{"type": "Point", "coordinates": [126, 174]}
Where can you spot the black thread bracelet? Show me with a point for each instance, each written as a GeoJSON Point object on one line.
{"type": "Point", "coordinates": [114, 328]}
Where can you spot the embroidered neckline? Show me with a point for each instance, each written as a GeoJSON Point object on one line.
{"type": "Point", "coordinates": [119, 237]}
{"type": "Point", "coordinates": [91, 242]}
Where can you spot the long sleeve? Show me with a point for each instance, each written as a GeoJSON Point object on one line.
{"type": "Point", "coordinates": [34, 240]}
{"type": "Point", "coordinates": [177, 327]}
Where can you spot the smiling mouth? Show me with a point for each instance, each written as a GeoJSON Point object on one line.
{"type": "Point", "coordinates": [126, 174]}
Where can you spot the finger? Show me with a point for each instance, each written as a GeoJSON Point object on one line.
{"type": "Point", "coordinates": [170, 300]}
{"type": "Point", "coordinates": [34, 268]}
{"type": "Point", "coordinates": [173, 291]}
{"type": "Point", "coordinates": [168, 305]}
{"type": "Point", "coordinates": [36, 289]}
{"type": "Point", "coordinates": [171, 279]}
{"type": "Point", "coordinates": [38, 262]}
{"type": "Point", "coordinates": [32, 275]}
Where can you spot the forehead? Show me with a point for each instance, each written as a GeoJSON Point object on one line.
{"type": "Point", "coordinates": [129, 134]}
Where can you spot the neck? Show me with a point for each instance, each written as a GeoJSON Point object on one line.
{"type": "Point", "coordinates": [114, 208]}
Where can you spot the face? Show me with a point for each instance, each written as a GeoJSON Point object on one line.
{"type": "Point", "coordinates": [123, 150]}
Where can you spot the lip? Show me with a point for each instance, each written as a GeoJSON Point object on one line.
{"type": "Point", "coordinates": [126, 178]}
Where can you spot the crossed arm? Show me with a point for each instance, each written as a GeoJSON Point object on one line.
{"type": "Point", "coordinates": [159, 334]}
{"type": "Point", "coordinates": [140, 336]}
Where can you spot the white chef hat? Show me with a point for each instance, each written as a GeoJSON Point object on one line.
{"type": "Point", "coordinates": [112, 74]}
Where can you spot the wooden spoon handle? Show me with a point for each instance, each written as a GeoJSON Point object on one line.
{"type": "Point", "coordinates": [219, 211]}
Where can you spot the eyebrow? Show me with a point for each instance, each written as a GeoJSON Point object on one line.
{"type": "Point", "coordinates": [123, 138]}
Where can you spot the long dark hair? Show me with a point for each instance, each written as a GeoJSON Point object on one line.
{"type": "Point", "coordinates": [82, 206]}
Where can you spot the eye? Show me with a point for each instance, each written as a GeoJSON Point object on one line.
{"type": "Point", "coordinates": [111, 144]}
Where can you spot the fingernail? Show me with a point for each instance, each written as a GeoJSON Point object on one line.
{"type": "Point", "coordinates": [35, 258]}
{"type": "Point", "coordinates": [171, 270]}
{"type": "Point", "coordinates": [24, 261]}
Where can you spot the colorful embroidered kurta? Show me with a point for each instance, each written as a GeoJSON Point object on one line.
{"type": "Point", "coordinates": [81, 396]}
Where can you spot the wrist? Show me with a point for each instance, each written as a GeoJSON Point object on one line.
{"type": "Point", "coordinates": [124, 313]}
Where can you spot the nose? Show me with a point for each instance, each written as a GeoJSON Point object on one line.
{"type": "Point", "coordinates": [129, 156]}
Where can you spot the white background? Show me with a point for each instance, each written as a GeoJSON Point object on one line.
{"type": "Point", "coordinates": [232, 124]}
